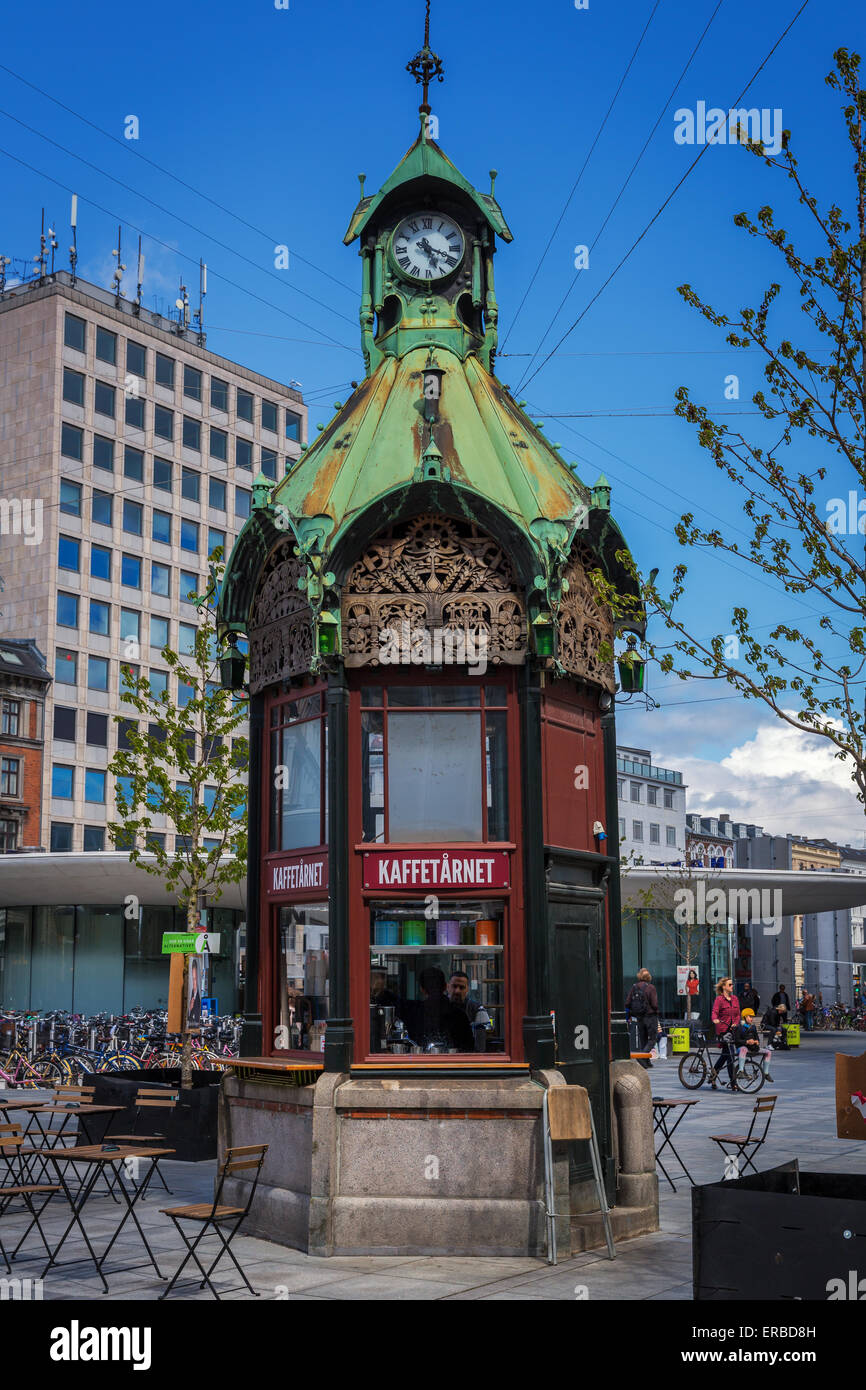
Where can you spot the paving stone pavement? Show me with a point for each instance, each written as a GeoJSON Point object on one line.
{"type": "Point", "coordinates": [655, 1267]}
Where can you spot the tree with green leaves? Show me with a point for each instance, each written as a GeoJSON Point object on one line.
{"type": "Point", "coordinates": [188, 772]}
{"type": "Point", "coordinates": [796, 486]}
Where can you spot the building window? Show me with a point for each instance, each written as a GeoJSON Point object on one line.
{"type": "Point", "coordinates": [191, 434]}
{"type": "Point", "coordinates": [669, 800]}
{"type": "Point", "coordinates": [72, 442]}
{"type": "Point", "coordinates": [216, 540]}
{"type": "Point", "coordinates": [11, 716]}
{"type": "Point", "coordinates": [73, 386]}
{"type": "Point", "coordinates": [188, 534]}
{"type": "Point", "coordinates": [64, 723]}
{"type": "Point", "coordinates": [244, 454]}
{"type": "Point", "coordinates": [133, 464]}
{"type": "Point", "coordinates": [671, 835]}
{"type": "Point", "coordinates": [97, 673]}
{"type": "Point", "coordinates": [436, 783]}
{"type": "Point", "coordinates": [163, 422]}
{"type": "Point", "coordinates": [191, 383]}
{"type": "Point", "coordinates": [130, 571]}
{"type": "Point", "coordinates": [68, 553]}
{"type": "Point", "coordinates": [186, 634]}
{"type": "Point", "coordinates": [189, 584]}
{"type": "Point", "coordinates": [652, 796]}
{"type": "Point", "coordinates": [244, 405]}
{"type": "Point", "coordinates": [9, 776]}
{"type": "Point", "coordinates": [160, 580]}
{"type": "Point", "coordinates": [101, 509]}
{"type": "Point", "coordinates": [219, 394]}
{"type": "Point", "coordinates": [133, 514]}
{"type": "Point", "coordinates": [293, 426]}
{"type": "Point", "coordinates": [103, 453]}
{"type": "Point", "coordinates": [124, 729]}
{"type": "Point", "coordinates": [100, 617]}
{"type": "Point", "coordinates": [185, 693]}
{"type": "Point", "coordinates": [164, 370]}
{"type": "Point", "coordinates": [161, 527]}
{"type": "Point", "coordinates": [243, 500]}
{"type": "Point", "coordinates": [162, 474]}
{"type": "Point", "coordinates": [74, 332]}
{"type": "Point", "coordinates": [97, 730]}
{"type": "Point", "coordinates": [158, 683]}
{"type": "Point", "coordinates": [100, 562]}
{"type": "Point", "coordinates": [106, 346]}
{"type": "Point", "coordinates": [66, 666]}
{"type": "Point", "coordinates": [637, 830]}
{"type": "Point", "coordinates": [269, 416]}
{"type": "Point", "coordinates": [70, 497]}
{"type": "Point", "coordinates": [655, 834]}
{"type": "Point", "coordinates": [635, 791]}
{"type": "Point", "coordinates": [219, 444]}
{"type": "Point", "coordinates": [62, 781]}
{"type": "Point", "coordinates": [130, 627]}
{"type": "Point", "coordinates": [269, 463]}
{"type": "Point", "coordinates": [67, 610]}
{"type": "Point", "coordinates": [94, 785]}
{"type": "Point", "coordinates": [190, 484]}
{"type": "Point", "coordinates": [621, 828]}
{"type": "Point", "coordinates": [8, 836]}
{"type": "Point", "coordinates": [94, 839]}
{"type": "Point", "coordinates": [620, 788]}
{"type": "Point", "coordinates": [159, 633]}
{"type": "Point", "coordinates": [217, 494]}
{"type": "Point", "coordinates": [103, 398]}
{"type": "Point", "coordinates": [134, 413]}
{"type": "Point", "coordinates": [136, 359]}
{"type": "Point", "coordinates": [61, 838]}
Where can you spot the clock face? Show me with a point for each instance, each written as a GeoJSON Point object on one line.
{"type": "Point", "coordinates": [427, 246]}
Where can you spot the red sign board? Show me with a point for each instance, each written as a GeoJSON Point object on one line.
{"type": "Point", "coordinates": [296, 875]}
{"type": "Point", "coordinates": [436, 868]}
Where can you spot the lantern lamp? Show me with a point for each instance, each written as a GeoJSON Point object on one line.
{"type": "Point", "coordinates": [632, 668]}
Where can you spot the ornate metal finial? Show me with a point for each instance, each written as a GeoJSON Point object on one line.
{"type": "Point", "coordinates": [425, 66]}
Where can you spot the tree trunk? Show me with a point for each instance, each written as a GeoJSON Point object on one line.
{"type": "Point", "coordinates": [186, 1049]}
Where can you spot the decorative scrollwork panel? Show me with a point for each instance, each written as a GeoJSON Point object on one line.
{"type": "Point", "coordinates": [281, 633]}
{"type": "Point", "coordinates": [584, 626]}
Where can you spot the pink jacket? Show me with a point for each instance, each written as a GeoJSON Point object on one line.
{"type": "Point", "coordinates": [726, 1014]}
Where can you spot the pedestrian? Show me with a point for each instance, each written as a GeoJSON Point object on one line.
{"type": "Point", "coordinates": [774, 1034]}
{"type": "Point", "coordinates": [749, 1043]}
{"type": "Point", "coordinates": [807, 1008]}
{"type": "Point", "coordinates": [642, 1005]}
{"type": "Point", "coordinates": [751, 998]}
{"type": "Point", "coordinates": [781, 1002]}
{"type": "Point", "coordinates": [726, 1019]}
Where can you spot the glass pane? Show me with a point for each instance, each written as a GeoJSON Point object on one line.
{"type": "Point", "coordinates": [146, 968]}
{"type": "Point", "coordinates": [496, 695]}
{"type": "Point", "coordinates": [298, 789]}
{"type": "Point", "coordinates": [372, 776]}
{"type": "Point", "coordinates": [436, 984]}
{"type": "Point", "coordinates": [497, 776]}
{"type": "Point", "coordinates": [53, 951]}
{"type": "Point", "coordinates": [302, 975]}
{"type": "Point", "coordinates": [371, 695]}
{"type": "Point", "coordinates": [430, 696]}
{"type": "Point", "coordinates": [98, 960]}
{"type": "Point", "coordinates": [15, 957]}
{"type": "Point", "coordinates": [434, 777]}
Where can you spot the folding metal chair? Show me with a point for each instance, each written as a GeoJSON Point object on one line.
{"type": "Point", "coordinates": [147, 1099]}
{"type": "Point", "coordinates": [213, 1215]}
{"type": "Point", "coordinates": [567, 1115]}
{"type": "Point", "coordinates": [11, 1139]}
{"type": "Point", "coordinates": [764, 1106]}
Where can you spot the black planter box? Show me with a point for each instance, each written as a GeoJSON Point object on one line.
{"type": "Point", "coordinates": [190, 1127]}
{"type": "Point", "coordinates": [779, 1235]}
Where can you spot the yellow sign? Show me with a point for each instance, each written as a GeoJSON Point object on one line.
{"type": "Point", "coordinates": [679, 1040]}
{"type": "Point", "coordinates": [792, 1034]}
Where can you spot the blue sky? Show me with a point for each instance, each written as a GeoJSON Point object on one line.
{"type": "Point", "coordinates": [272, 113]}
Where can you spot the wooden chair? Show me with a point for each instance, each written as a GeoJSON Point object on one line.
{"type": "Point", "coordinates": [751, 1141]}
{"type": "Point", "coordinates": [212, 1216]}
{"type": "Point", "coordinates": [567, 1116]}
{"type": "Point", "coordinates": [148, 1098]}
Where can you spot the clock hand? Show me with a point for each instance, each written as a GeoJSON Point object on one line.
{"type": "Point", "coordinates": [429, 251]}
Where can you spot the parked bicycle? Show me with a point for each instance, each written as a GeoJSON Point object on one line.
{"type": "Point", "coordinates": [697, 1065]}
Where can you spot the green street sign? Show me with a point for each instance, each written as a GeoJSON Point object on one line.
{"type": "Point", "coordinates": [189, 943]}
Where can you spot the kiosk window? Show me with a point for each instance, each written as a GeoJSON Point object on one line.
{"type": "Point", "coordinates": [302, 977]}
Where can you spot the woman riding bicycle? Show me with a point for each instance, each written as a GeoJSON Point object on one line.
{"type": "Point", "coordinates": [726, 1020]}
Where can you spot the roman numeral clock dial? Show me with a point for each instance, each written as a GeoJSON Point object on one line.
{"type": "Point", "coordinates": [427, 246]}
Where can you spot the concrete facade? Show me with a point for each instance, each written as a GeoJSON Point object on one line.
{"type": "Point", "coordinates": [62, 510]}
{"type": "Point", "coordinates": [651, 803]}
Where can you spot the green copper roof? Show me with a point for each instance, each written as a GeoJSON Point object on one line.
{"type": "Point", "coordinates": [425, 160]}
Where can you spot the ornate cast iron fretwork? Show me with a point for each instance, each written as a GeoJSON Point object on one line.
{"type": "Point", "coordinates": [430, 576]}
{"type": "Point", "coordinates": [426, 65]}
{"type": "Point", "coordinates": [281, 633]}
{"type": "Point", "coordinates": [584, 625]}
